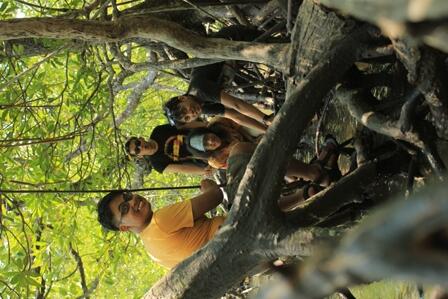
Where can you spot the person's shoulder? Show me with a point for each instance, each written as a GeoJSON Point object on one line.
{"type": "Point", "coordinates": [163, 130]}
{"type": "Point", "coordinates": [173, 215]}
{"type": "Point", "coordinates": [159, 161]}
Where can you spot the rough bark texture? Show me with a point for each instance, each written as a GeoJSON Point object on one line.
{"type": "Point", "coordinates": [145, 27]}
{"type": "Point", "coordinates": [425, 70]}
{"type": "Point", "coordinates": [398, 10]}
{"type": "Point", "coordinates": [383, 246]}
{"type": "Point", "coordinates": [377, 122]}
{"type": "Point", "coordinates": [423, 20]}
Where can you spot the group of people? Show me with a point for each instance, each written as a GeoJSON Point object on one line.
{"type": "Point", "coordinates": [195, 144]}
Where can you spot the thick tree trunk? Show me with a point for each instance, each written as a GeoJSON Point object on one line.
{"type": "Point", "coordinates": [424, 20]}
{"type": "Point", "coordinates": [397, 10]}
{"type": "Point", "coordinates": [145, 27]}
{"type": "Point", "coordinates": [405, 240]}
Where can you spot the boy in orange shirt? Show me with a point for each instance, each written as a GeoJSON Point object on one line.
{"type": "Point", "coordinates": [170, 234]}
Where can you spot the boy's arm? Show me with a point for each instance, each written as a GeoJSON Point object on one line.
{"type": "Point", "coordinates": [193, 125]}
{"type": "Point", "coordinates": [185, 168]}
{"type": "Point", "coordinates": [244, 120]}
{"type": "Point", "coordinates": [210, 198]}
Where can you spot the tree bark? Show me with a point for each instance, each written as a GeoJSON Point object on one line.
{"type": "Point", "coordinates": [424, 20]}
{"type": "Point", "coordinates": [145, 27]}
{"type": "Point", "coordinates": [405, 240]}
{"type": "Point", "coordinates": [399, 10]}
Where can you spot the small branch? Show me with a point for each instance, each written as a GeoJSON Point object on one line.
{"type": "Point", "coordinates": [135, 97]}
{"type": "Point", "coordinates": [82, 274]}
{"type": "Point", "coordinates": [33, 67]}
{"type": "Point", "coordinates": [177, 64]}
{"type": "Point", "coordinates": [43, 7]}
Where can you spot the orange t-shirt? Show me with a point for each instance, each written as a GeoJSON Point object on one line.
{"type": "Point", "coordinates": [173, 235]}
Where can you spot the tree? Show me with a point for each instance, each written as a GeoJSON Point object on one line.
{"type": "Point", "coordinates": [324, 46]}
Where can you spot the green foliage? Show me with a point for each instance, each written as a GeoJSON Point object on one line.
{"type": "Point", "coordinates": [48, 111]}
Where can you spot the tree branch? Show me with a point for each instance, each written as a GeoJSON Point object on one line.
{"type": "Point", "coordinates": [135, 97]}
{"type": "Point", "coordinates": [82, 274]}
{"type": "Point", "coordinates": [405, 240]}
{"type": "Point", "coordinates": [145, 27]}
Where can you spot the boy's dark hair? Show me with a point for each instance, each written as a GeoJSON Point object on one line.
{"type": "Point", "coordinates": [128, 144]}
{"type": "Point", "coordinates": [105, 215]}
{"type": "Point", "coordinates": [172, 111]}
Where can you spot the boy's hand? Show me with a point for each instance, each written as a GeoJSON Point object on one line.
{"type": "Point", "coordinates": [207, 184]}
{"type": "Point", "coordinates": [208, 170]}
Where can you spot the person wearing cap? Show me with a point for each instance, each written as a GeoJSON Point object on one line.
{"type": "Point", "coordinates": [215, 142]}
{"type": "Point", "coordinates": [166, 151]}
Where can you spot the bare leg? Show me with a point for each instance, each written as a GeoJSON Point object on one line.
{"type": "Point", "coordinates": [290, 202]}
{"type": "Point", "coordinates": [313, 172]}
{"type": "Point", "coordinates": [244, 120]}
{"type": "Point", "coordinates": [300, 170]}
{"type": "Point", "coordinates": [242, 107]}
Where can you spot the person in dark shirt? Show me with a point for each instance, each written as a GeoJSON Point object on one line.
{"type": "Point", "coordinates": [167, 151]}
{"type": "Point", "coordinates": [205, 96]}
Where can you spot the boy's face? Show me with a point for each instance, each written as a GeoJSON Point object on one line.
{"type": "Point", "coordinates": [189, 109]}
{"type": "Point", "coordinates": [131, 212]}
{"type": "Point", "coordinates": [141, 147]}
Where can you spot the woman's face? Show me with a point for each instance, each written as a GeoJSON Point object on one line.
{"type": "Point", "coordinates": [189, 109]}
{"type": "Point", "coordinates": [211, 142]}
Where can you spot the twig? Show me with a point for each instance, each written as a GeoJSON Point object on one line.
{"type": "Point", "coordinates": [289, 17]}
{"type": "Point", "coordinates": [206, 12]}
{"type": "Point", "coordinates": [44, 7]}
{"type": "Point", "coordinates": [34, 66]}
{"type": "Point", "coordinates": [80, 264]}
{"type": "Point", "coordinates": [135, 97]}
{"type": "Point", "coordinates": [169, 8]}
{"type": "Point", "coordinates": [408, 110]}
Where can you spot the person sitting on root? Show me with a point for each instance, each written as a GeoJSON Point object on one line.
{"type": "Point", "coordinates": [187, 108]}
{"type": "Point", "coordinates": [215, 142]}
{"type": "Point", "coordinates": [167, 151]}
{"type": "Point", "coordinates": [318, 174]}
